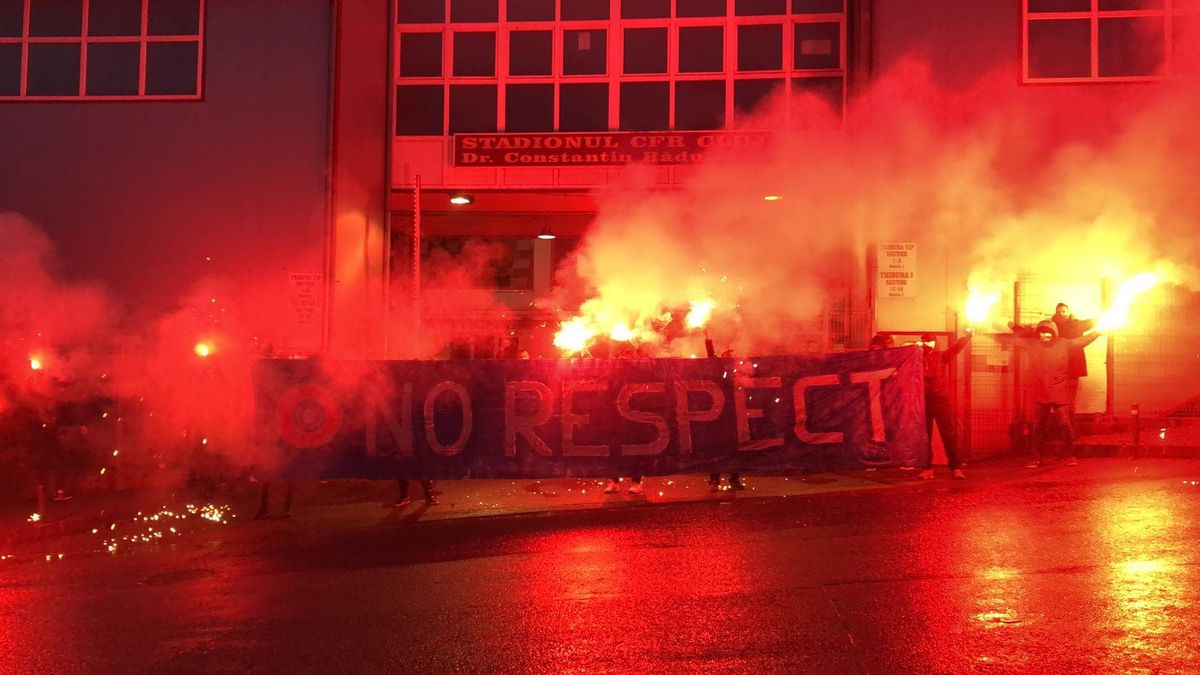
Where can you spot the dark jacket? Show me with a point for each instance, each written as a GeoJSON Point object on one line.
{"type": "Point", "coordinates": [1070, 329]}
{"type": "Point", "coordinates": [1050, 363]}
{"type": "Point", "coordinates": [937, 367]}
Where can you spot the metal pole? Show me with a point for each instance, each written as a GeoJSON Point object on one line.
{"type": "Point", "coordinates": [1018, 407]}
{"type": "Point", "coordinates": [416, 260]}
{"type": "Point", "coordinates": [1109, 361]}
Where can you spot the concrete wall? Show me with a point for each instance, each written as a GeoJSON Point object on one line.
{"type": "Point", "coordinates": [138, 194]}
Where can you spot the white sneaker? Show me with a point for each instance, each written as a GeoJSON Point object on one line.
{"type": "Point", "coordinates": [612, 487]}
{"type": "Point", "coordinates": [636, 489]}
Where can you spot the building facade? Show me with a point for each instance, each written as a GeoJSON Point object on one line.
{"type": "Point", "coordinates": [286, 144]}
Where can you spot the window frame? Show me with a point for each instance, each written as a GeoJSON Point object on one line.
{"type": "Point", "coordinates": [1168, 13]}
{"type": "Point", "coordinates": [144, 39]}
{"type": "Point", "coordinates": [614, 76]}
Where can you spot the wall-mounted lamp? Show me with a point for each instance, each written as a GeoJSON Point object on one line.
{"type": "Point", "coordinates": [546, 233]}
{"type": "Point", "coordinates": [461, 199]}
{"type": "Point", "coordinates": [772, 198]}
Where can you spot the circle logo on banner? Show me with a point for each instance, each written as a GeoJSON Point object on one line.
{"type": "Point", "coordinates": [308, 416]}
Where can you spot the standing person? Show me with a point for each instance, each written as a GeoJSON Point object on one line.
{"type": "Point", "coordinates": [1070, 328]}
{"type": "Point", "coordinates": [937, 401]}
{"type": "Point", "coordinates": [714, 479]}
{"type": "Point", "coordinates": [1050, 388]}
{"type": "Point", "coordinates": [402, 498]}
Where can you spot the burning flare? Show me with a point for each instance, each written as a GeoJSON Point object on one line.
{"type": "Point", "coordinates": [699, 313]}
{"type": "Point", "coordinates": [204, 349]}
{"type": "Point", "coordinates": [979, 307]}
{"type": "Point", "coordinates": [574, 335]}
{"type": "Point", "coordinates": [1118, 314]}
{"type": "Point", "coordinates": [35, 362]}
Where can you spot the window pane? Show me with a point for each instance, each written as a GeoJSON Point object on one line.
{"type": "Point", "coordinates": [817, 45]}
{"type": "Point", "coordinates": [530, 52]}
{"type": "Point", "coordinates": [419, 110]}
{"type": "Point", "coordinates": [584, 52]}
{"type": "Point", "coordinates": [112, 69]}
{"type": "Point", "coordinates": [749, 94]}
{"type": "Point", "coordinates": [1130, 4]}
{"type": "Point", "coordinates": [701, 49]}
{"type": "Point", "coordinates": [475, 54]}
{"type": "Point", "coordinates": [472, 108]}
{"type": "Point", "coordinates": [760, 47]}
{"type": "Point", "coordinates": [583, 107]}
{"type": "Point", "coordinates": [421, 11]}
{"type": "Point", "coordinates": [817, 6]}
{"type": "Point", "coordinates": [171, 67]}
{"type": "Point", "coordinates": [759, 7]}
{"type": "Point", "coordinates": [173, 17]}
{"type": "Point", "coordinates": [700, 105]}
{"type": "Point", "coordinates": [685, 8]}
{"type": "Point", "coordinates": [645, 106]}
{"type": "Point", "coordinates": [1060, 48]}
{"type": "Point", "coordinates": [1131, 46]}
{"type": "Point", "coordinates": [1060, 5]}
{"type": "Point", "coordinates": [577, 10]}
{"type": "Point", "coordinates": [479, 11]}
{"type": "Point", "coordinates": [12, 17]}
{"type": "Point", "coordinates": [646, 50]}
{"type": "Point", "coordinates": [826, 89]}
{"type": "Point", "coordinates": [1187, 48]}
{"type": "Point", "coordinates": [530, 10]}
{"type": "Point", "coordinates": [10, 70]}
{"type": "Point", "coordinates": [645, 9]}
{"type": "Point", "coordinates": [55, 18]}
{"type": "Point", "coordinates": [53, 70]}
{"type": "Point", "coordinates": [420, 54]}
{"type": "Point", "coordinates": [115, 17]}
{"type": "Point", "coordinates": [529, 107]}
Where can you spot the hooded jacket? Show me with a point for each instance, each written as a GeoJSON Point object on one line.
{"type": "Point", "coordinates": [1050, 362]}
{"type": "Point", "coordinates": [937, 371]}
{"type": "Point", "coordinates": [1070, 329]}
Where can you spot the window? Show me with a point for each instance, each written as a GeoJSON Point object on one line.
{"type": "Point", "coordinates": [529, 107]}
{"type": "Point", "coordinates": [645, 106]}
{"type": "Point", "coordinates": [1103, 40]}
{"type": "Point", "coordinates": [583, 107]}
{"type": "Point", "coordinates": [101, 49]}
{"type": "Point", "coordinates": [701, 49]}
{"type": "Point", "coordinates": [584, 52]}
{"type": "Point", "coordinates": [474, 54]}
{"type": "Point", "coordinates": [645, 50]}
{"type": "Point", "coordinates": [530, 52]}
{"type": "Point", "coordinates": [530, 10]}
{"type": "Point", "coordinates": [760, 47]}
{"type": "Point", "coordinates": [700, 104]}
{"type": "Point", "coordinates": [421, 55]}
{"type": "Point", "coordinates": [493, 262]}
{"type": "Point", "coordinates": [527, 66]}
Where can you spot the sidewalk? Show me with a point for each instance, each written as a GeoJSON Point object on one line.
{"type": "Point", "coordinates": [353, 503]}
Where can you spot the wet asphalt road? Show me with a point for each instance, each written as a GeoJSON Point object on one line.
{"type": "Point", "coordinates": [1061, 570]}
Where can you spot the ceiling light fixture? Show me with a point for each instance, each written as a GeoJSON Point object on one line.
{"type": "Point", "coordinates": [461, 199]}
{"type": "Point", "coordinates": [546, 234]}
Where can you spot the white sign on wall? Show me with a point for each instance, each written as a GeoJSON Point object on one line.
{"type": "Point", "coordinates": [306, 302]}
{"type": "Point", "coordinates": [897, 273]}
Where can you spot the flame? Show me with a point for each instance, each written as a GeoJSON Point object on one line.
{"type": "Point", "coordinates": [622, 332]}
{"type": "Point", "coordinates": [1118, 313]}
{"type": "Point", "coordinates": [979, 306]}
{"type": "Point", "coordinates": [699, 313]}
{"type": "Point", "coordinates": [574, 335]}
{"type": "Point", "coordinates": [204, 349]}
{"type": "Point", "coordinates": [35, 362]}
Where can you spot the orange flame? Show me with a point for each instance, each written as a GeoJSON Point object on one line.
{"type": "Point", "coordinates": [574, 335]}
{"type": "Point", "coordinates": [700, 312]}
{"type": "Point", "coordinates": [979, 307]}
{"type": "Point", "coordinates": [1117, 315]}
{"type": "Point", "coordinates": [35, 362]}
{"type": "Point", "coordinates": [204, 349]}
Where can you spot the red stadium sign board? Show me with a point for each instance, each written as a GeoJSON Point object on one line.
{"type": "Point", "coordinates": [610, 148]}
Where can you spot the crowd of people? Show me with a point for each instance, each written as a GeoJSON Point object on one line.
{"type": "Point", "coordinates": [61, 434]}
